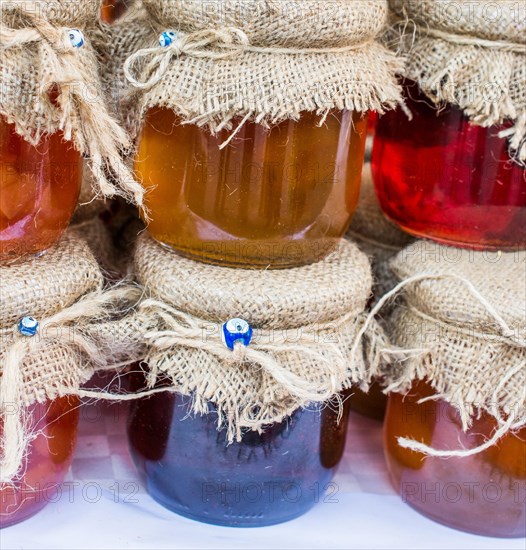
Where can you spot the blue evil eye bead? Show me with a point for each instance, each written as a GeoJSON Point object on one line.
{"type": "Point", "coordinates": [167, 38]}
{"type": "Point", "coordinates": [28, 326]}
{"type": "Point", "coordinates": [236, 330]}
{"type": "Point", "coordinates": [76, 38]}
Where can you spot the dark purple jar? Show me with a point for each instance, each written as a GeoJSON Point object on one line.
{"type": "Point", "coordinates": [268, 478]}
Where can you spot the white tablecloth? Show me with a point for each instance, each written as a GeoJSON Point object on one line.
{"type": "Point", "coordinates": [102, 505]}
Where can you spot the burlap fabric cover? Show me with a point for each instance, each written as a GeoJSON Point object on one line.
{"type": "Point", "coordinates": [90, 205]}
{"type": "Point", "coordinates": [37, 58]}
{"type": "Point", "coordinates": [465, 319]}
{"type": "Point", "coordinates": [305, 346]}
{"type": "Point", "coordinates": [376, 236]}
{"type": "Point", "coordinates": [263, 61]}
{"type": "Point", "coordinates": [63, 290]}
{"type": "Point", "coordinates": [471, 54]}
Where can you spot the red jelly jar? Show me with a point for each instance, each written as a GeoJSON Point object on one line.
{"type": "Point", "coordinates": [266, 478]}
{"type": "Point", "coordinates": [484, 493]}
{"type": "Point", "coordinates": [46, 462]}
{"type": "Point", "coordinates": [439, 176]}
{"type": "Point", "coordinates": [39, 191]}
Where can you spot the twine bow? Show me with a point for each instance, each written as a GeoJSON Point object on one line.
{"type": "Point", "coordinates": [185, 330]}
{"type": "Point", "coordinates": [214, 44]}
{"type": "Point", "coordinates": [66, 329]}
{"type": "Point", "coordinates": [84, 118]}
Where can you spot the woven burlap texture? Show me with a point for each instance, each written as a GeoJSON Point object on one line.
{"type": "Point", "coordinates": [43, 286]}
{"type": "Point", "coordinates": [305, 347]}
{"type": "Point", "coordinates": [233, 67]}
{"type": "Point", "coordinates": [467, 316]}
{"type": "Point", "coordinates": [471, 54]}
{"type": "Point", "coordinates": [63, 290]}
{"type": "Point", "coordinates": [37, 61]}
{"type": "Point", "coordinates": [376, 236]}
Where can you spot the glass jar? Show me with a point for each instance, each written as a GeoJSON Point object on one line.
{"type": "Point", "coordinates": [265, 479]}
{"type": "Point", "coordinates": [439, 176]}
{"type": "Point", "coordinates": [484, 494]}
{"type": "Point", "coordinates": [371, 404]}
{"type": "Point", "coordinates": [47, 461]}
{"type": "Point", "coordinates": [112, 10]}
{"type": "Point", "coordinates": [278, 198]}
{"type": "Point", "coordinates": [39, 190]}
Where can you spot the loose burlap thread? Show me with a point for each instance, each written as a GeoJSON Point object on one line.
{"type": "Point", "coordinates": [472, 54]}
{"type": "Point", "coordinates": [64, 291]}
{"type": "Point", "coordinates": [464, 319]}
{"type": "Point", "coordinates": [227, 66]}
{"type": "Point", "coordinates": [38, 60]}
{"type": "Point", "coordinates": [307, 346]}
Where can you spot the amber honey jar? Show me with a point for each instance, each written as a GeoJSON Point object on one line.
{"type": "Point", "coordinates": [441, 177]}
{"type": "Point", "coordinates": [274, 197]}
{"type": "Point", "coordinates": [266, 478]}
{"type": "Point", "coordinates": [39, 190]}
{"type": "Point", "coordinates": [112, 9]}
{"type": "Point", "coordinates": [47, 460]}
{"type": "Point", "coordinates": [484, 493]}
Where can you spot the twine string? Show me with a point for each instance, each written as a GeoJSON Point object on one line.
{"type": "Point", "coordinates": [213, 44]}
{"type": "Point", "coordinates": [84, 118]}
{"type": "Point", "coordinates": [65, 328]}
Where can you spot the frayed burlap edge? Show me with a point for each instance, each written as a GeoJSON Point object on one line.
{"type": "Point", "coordinates": [53, 363]}
{"type": "Point", "coordinates": [484, 79]}
{"type": "Point", "coordinates": [254, 386]}
{"type": "Point", "coordinates": [266, 88]}
{"type": "Point", "coordinates": [37, 59]}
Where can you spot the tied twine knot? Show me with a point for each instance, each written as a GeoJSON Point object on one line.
{"type": "Point", "coordinates": [185, 330]}
{"type": "Point", "coordinates": [213, 44]}
{"type": "Point", "coordinates": [507, 336]}
{"type": "Point", "coordinates": [69, 329]}
{"type": "Point", "coordinates": [83, 116]}
{"type": "Point", "coordinates": [208, 43]}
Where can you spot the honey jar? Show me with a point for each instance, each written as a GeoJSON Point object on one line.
{"type": "Point", "coordinates": [275, 197]}
{"type": "Point", "coordinates": [39, 190]}
{"type": "Point", "coordinates": [46, 462]}
{"type": "Point", "coordinates": [484, 493]}
{"type": "Point", "coordinates": [112, 10]}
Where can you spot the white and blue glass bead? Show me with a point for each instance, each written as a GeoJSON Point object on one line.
{"type": "Point", "coordinates": [167, 38]}
{"type": "Point", "coordinates": [236, 330]}
{"type": "Point", "coordinates": [76, 38]}
{"type": "Point", "coordinates": [28, 326]}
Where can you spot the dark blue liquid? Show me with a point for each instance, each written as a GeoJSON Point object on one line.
{"type": "Point", "coordinates": [268, 478]}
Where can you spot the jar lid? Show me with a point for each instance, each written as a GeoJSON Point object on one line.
{"type": "Point", "coordinates": [288, 298]}
{"type": "Point", "coordinates": [61, 13]}
{"type": "Point", "coordinates": [44, 285]}
{"type": "Point", "coordinates": [502, 20]}
{"type": "Point", "coordinates": [309, 23]}
{"type": "Point", "coordinates": [463, 281]}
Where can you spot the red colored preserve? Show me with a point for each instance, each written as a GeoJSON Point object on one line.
{"type": "Point", "coordinates": [39, 191]}
{"type": "Point", "coordinates": [439, 176]}
{"type": "Point", "coordinates": [48, 459]}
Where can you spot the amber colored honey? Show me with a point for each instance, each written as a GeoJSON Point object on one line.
{"type": "Point", "coordinates": [484, 493]}
{"type": "Point", "coordinates": [112, 10]}
{"type": "Point", "coordinates": [46, 463]}
{"type": "Point", "coordinates": [275, 198]}
{"type": "Point", "coordinates": [39, 190]}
